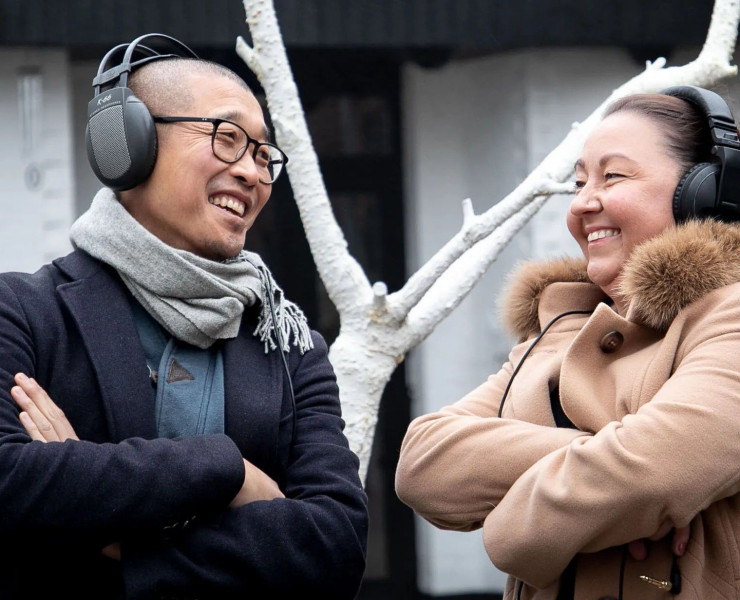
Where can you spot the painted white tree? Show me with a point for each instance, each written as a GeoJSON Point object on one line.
{"type": "Point", "coordinates": [378, 328]}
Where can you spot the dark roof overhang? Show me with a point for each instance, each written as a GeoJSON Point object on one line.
{"type": "Point", "coordinates": [475, 25]}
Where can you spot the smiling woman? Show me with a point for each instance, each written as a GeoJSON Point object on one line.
{"type": "Point", "coordinates": [625, 180]}
{"type": "Point", "coordinates": [610, 470]}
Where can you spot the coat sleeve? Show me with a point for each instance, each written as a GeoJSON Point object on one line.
{"type": "Point", "coordinates": [90, 490]}
{"type": "Point", "coordinates": [312, 541]}
{"type": "Point", "coordinates": [456, 464]}
{"type": "Point", "coordinates": [672, 458]}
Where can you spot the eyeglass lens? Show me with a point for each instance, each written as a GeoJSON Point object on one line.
{"type": "Point", "coordinates": [230, 143]}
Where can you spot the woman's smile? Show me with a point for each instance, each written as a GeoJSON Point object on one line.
{"type": "Point", "coordinates": [601, 234]}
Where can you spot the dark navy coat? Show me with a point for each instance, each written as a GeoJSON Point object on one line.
{"type": "Point", "coordinates": [70, 326]}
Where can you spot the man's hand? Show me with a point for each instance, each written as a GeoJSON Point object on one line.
{"type": "Point", "coordinates": [257, 486]}
{"type": "Point", "coordinates": [44, 421]}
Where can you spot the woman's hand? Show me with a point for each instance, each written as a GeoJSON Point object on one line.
{"type": "Point", "coordinates": [638, 548]}
{"type": "Point", "coordinates": [44, 421]}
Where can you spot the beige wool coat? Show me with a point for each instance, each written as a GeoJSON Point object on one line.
{"type": "Point", "coordinates": [655, 397]}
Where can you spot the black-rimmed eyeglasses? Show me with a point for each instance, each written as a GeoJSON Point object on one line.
{"type": "Point", "coordinates": [229, 142]}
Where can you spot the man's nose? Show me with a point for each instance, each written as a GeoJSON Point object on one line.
{"type": "Point", "coordinates": [245, 169]}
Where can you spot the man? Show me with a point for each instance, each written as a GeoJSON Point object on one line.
{"type": "Point", "coordinates": [171, 428]}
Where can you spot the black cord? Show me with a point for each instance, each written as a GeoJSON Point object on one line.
{"type": "Point", "coordinates": [622, 566]}
{"type": "Point", "coordinates": [532, 345]}
{"type": "Point", "coordinates": [675, 577]}
{"type": "Point", "coordinates": [279, 336]}
{"type": "Point", "coordinates": [516, 370]}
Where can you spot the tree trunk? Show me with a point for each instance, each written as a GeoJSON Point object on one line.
{"type": "Point", "coordinates": [378, 329]}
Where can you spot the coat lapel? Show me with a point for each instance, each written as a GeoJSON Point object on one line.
{"type": "Point", "coordinates": [253, 392]}
{"type": "Point", "coordinates": [97, 300]}
{"type": "Point", "coordinates": [253, 385]}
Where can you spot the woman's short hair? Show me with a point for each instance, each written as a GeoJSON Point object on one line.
{"type": "Point", "coordinates": [686, 131]}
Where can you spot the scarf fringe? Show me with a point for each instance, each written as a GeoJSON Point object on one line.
{"type": "Point", "coordinates": [195, 299]}
{"type": "Point", "coordinates": [291, 322]}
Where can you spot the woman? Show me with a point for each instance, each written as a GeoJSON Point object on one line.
{"type": "Point", "coordinates": [616, 420]}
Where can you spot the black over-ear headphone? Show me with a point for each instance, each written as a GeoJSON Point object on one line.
{"type": "Point", "coordinates": [120, 135]}
{"type": "Point", "coordinates": [710, 189]}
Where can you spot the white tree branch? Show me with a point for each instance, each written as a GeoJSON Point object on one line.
{"type": "Point", "coordinates": [454, 285]}
{"type": "Point", "coordinates": [343, 277]}
{"type": "Point", "coordinates": [474, 229]}
{"type": "Point", "coordinates": [377, 328]}
{"type": "Point", "coordinates": [711, 66]}
{"type": "Point", "coordinates": [719, 45]}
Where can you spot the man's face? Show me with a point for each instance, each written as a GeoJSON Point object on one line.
{"type": "Point", "coordinates": [192, 200]}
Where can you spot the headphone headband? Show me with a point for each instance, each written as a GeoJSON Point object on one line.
{"type": "Point", "coordinates": [721, 122]}
{"type": "Point", "coordinates": [710, 189]}
{"type": "Point", "coordinates": [107, 75]}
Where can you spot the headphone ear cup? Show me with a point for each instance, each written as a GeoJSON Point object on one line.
{"type": "Point", "coordinates": [696, 193]}
{"type": "Point", "coordinates": [121, 139]}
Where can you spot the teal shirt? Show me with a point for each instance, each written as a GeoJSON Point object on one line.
{"type": "Point", "coordinates": [189, 396]}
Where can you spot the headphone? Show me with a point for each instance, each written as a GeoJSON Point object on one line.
{"type": "Point", "coordinates": [710, 189]}
{"type": "Point", "coordinates": [120, 135]}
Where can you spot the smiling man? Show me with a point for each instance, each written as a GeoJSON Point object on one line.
{"type": "Point", "coordinates": [203, 194]}
{"type": "Point", "coordinates": [170, 425]}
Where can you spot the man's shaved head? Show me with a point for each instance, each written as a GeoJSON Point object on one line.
{"type": "Point", "coordinates": [163, 84]}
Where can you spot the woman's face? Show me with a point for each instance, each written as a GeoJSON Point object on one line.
{"type": "Point", "coordinates": [625, 181]}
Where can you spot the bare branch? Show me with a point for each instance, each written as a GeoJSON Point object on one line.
{"type": "Point", "coordinates": [549, 177]}
{"type": "Point", "coordinates": [380, 302]}
{"type": "Point", "coordinates": [248, 55]}
{"type": "Point", "coordinates": [468, 212]}
{"type": "Point", "coordinates": [343, 277]}
{"type": "Point", "coordinates": [721, 38]}
{"type": "Point", "coordinates": [453, 285]}
{"type": "Point", "coordinates": [474, 229]}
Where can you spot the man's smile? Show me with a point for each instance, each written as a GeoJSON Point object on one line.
{"type": "Point", "coordinates": [229, 203]}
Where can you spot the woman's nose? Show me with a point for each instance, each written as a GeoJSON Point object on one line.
{"type": "Point", "coordinates": [586, 200]}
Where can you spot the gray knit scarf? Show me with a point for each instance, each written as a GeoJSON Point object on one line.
{"type": "Point", "coordinates": [197, 300]}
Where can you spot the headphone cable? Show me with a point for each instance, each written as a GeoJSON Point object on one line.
{"type": "Point", "coordinates": [279, 335]}
{"type": "Point", "coordinates": [532, 345]}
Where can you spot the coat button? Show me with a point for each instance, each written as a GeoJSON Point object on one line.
{"type": "Point", "coordinates": [611, 342]}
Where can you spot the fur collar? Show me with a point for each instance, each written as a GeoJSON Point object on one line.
{"type": "Point", "coordinates": [663, 275]}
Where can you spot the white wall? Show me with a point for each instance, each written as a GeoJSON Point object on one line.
{"type": "Point", "coordinates": [36, 170]}
{"type": "Point", "coordinates": [86, 184]}
{"type": "Point", "coordinates": [475, 128]}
